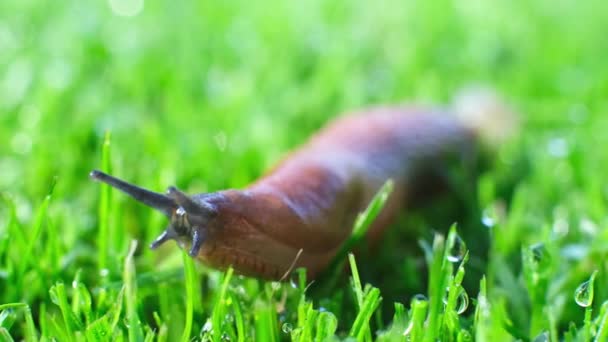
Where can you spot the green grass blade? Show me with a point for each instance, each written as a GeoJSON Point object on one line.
{"type": "Point", "coordinates": [33, 238]}
{"type": "Point", "coordinates": [134, 325]}
{"type": "Point", "coordinates": [220, 309]}
{"type": "Point", "coordinates": [419, 308]}
{"type": "Point", "coordinates": [362, 224]}
{"type": "Point", "coordinates": [59, 297]}
{"type": "Point", "coordinates": [356, 280]}
{"type": "Point", "coordinates": [103, 234]}
{"type": "Point", "coordinates": [326, 326]}
{"type": "Point", "coordinates": [5, 335]}
{"type": "Point", "coordinates": [361, 325]}
{"type": "Point", "coordinates": [439, 270]}
{"type": "Point", "coordinates": [238, 319]}
{"type": "Point", "coordinates": [265, 322]}
{"type": "Point", "coordinates": [189, 280]}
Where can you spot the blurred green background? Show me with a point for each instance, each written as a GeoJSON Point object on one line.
{"type": "Point", "coordinates": [207, 95]}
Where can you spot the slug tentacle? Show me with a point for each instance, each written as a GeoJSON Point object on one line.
{"type": "Point", "coordinates": [166, 235]}
{"type": "Point", "coordinates": [152, 199]}
{"type": "Point", "coordinates": [182, 199]}
{"type": "Point", "coordinates": [198, 238]}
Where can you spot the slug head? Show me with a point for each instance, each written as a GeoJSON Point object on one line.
{"type": "Point", "coordinates": [189, 218]}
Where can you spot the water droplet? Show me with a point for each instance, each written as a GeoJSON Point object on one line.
{"type": "Point", "coordinates": [226, 337]}
{"type": "Point", "coordinates": [487, 218]}
{"type": "Point", "coordinates": [462, 300]}
{"type": "Point", "coordinates": [294, 280]}
{"type": "Point", "coordinates": [208, 327]}
{"type": "Point", "coordinates": [275, 286]}
{"type": "Point", "coordinates": [229, 318]}
{"type": "Point", "coordinates": [464, 335]}
{"type": "Point", "coordinates": [419, 298]}
{"type": "Point", "coordinates": [408, 329]}
{"type": "Point", "coordinates": [540, 254]}
{"type": "Point", "coordinates": [542, 337]}
{"type": "Point", "coordinates": [458, 250]}
{"type": "Point", "coordinates": [240, 289]}
{"type": "Point", "coordinates": [104, 272]}
{"type": "Point", "coordinates": [583, 296]}
{"type": "Point", "coordinates": [287, 328]}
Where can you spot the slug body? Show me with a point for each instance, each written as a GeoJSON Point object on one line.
{"type": "Point", "coordinates": [300, 213]}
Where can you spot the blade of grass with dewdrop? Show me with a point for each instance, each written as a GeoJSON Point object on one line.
{"type": "Point", "coordinates": [326, 326]}
{"type": "Point", "coordinates": [436, 288]}
{"type": "Point", "coordinates": [586, 331]}
{"type": "Point", "coordinates": [30, 328]}
{"type": "Point", "coordinates": [221, 305]}
{"type": "Point", "coordinates": [419, 309]}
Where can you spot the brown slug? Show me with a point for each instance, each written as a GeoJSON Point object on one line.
{"type": "Point", "coordinates": [300, 213]}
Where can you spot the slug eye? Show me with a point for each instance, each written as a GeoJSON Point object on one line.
{"type": "Point", "coordinates": [180, 222]}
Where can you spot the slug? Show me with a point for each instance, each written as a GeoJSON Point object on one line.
{"type": "Point", "coordinates": [300, 213]}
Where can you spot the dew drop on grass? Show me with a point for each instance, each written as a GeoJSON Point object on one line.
{"type": "Point", "coordinates": [408, 330]}
{"type": "Point", "coordinates": [287, 328]}
{"type": "Point", "coordinates": [458, 250]}
{"type": "Point", "coordinates": [540, 255]}
{"type": "Point", "coordinates": [275, 286]}
{"type": "Point", "coordinates": [208, 327]}
{"type": "Point", "coordinates": [462, 301]}
{"type": "Point", "coordinates": [464, 335]}
{"type": "Point", "coordinates": [293, 281]}
{"type": "Point", "coordinates": [419, 297]}
{"type": "Point", "coordinates": [487, 219]}
{"type": "Point", "coordinates": [226, 337]}
{"type": "Point", "coordinates": [542, 337]}
{"type": "Point", "coordinates": [583, 295]}
{"type": "Point", "coordinates": [229, 319]}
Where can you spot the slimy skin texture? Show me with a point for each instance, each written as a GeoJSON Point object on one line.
{"type": "Point", "coordinates": [300, 213]}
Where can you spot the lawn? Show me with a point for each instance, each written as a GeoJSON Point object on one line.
{"type": "Point", "coordinates": [208, 95]}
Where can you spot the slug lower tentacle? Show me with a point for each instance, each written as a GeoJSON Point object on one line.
{"type": "Point", "coordinates": [300, 213]}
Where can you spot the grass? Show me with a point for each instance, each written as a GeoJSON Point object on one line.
{"type": "Point", "coordinates": [208, 95]}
